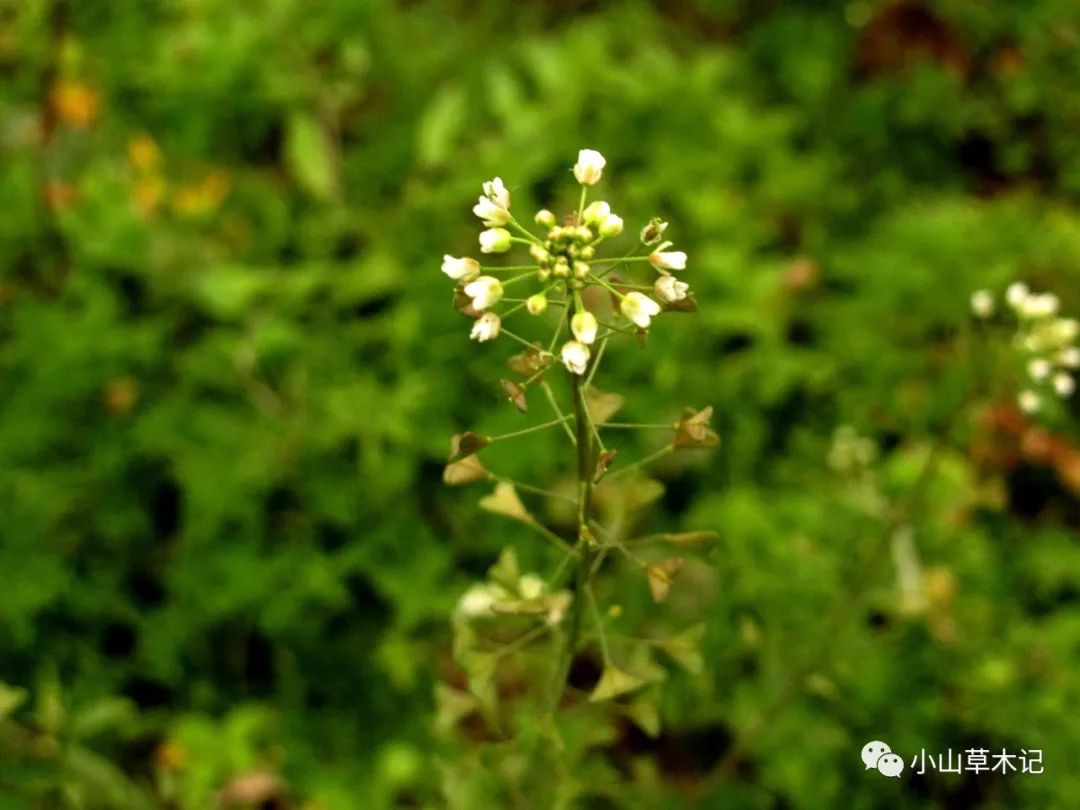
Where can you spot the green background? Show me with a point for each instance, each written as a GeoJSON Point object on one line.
{"type": "Point", "coordinates": [229, 369]}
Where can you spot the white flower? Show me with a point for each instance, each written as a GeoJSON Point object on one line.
{"type": "Point", "coordinates": [669, 289]}
{"type": "Point", "coordinates": [590, 165]}
{"type": "Point", "coordinates": [1070, 357]}
{"type": "Point", "coordinates": [530, 586]}
{"type": "Point", "coordinates": [536, 304]}
{"type": "Point", "coordinates": [639, 308]}
{"type": "Point", "coordinates": [1017, 294]}
{"type": "Point", "coordinates": [671, 260]}
{"type": "Point", "coordinates": [494, 206]}
{"type": "Point", "coordinates": [1029, 401]}
{"type": "Point", "coordinates": [484, 291]}
{"type": "Point", "coordinates": [982, 303]}
{"type": "Point", "coordinates": [464, 269]}
{"type": "Point", "coordinates": [584, 327]}
{"type": "Point", "coordinates": [611, 226]}
{"type": "Point", "coordinates": [575, 356]}
{"type": "Point", "coordinates": [1064, 384]}
{"type": "Point", "coordinates": [1039, 369]}
{"type": "Point", "coordinates": [486, 327]}
{"type": "Point", "coordinates": [1039, 306]}
{"type": "Point", "coordinates": [596, 212]}
{"type": "Point", "coordinates": [494, 240]}
{"type": "Point", "coordinates": [478, 601]}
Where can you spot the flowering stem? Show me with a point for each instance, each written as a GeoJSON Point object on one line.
{"type": "Point", "coordinates": [581, 204]}
{"type": "Point", "coordinates": [521, 229]}
{"type": "Point", "coordinates": [547, 493]}
{"type": "Point", "coordinates": [585, 469]}
{"type": "Point", "coordinates": [599, 622]}
{"type": "Point", "coordinates": [663, 451]}
{"type": "Point", "coordinates": [555, 407]}
{"type": "Point", "coordinates": [638, 425]}
{"type": "Point", "coordinates": [533, 429]}
{"type": "Point", "coordinates": [489, 269]}
{"type": "Point", "coordinates": [518, 338]}
{"type": "Point", "coordinates": [606, 286]}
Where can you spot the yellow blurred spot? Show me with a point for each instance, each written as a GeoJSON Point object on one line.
{"type": "Point", "coordinates": [170, 755]}
{"type": "Point", "coordinates": [59, 195]}
{"type": "Point", "coordinates": [74, 103]}
{"type": "Point", "coordinates": [121, 395]}
{"type": "Point", "coordinates": [143, 153]}
{"type": "Point", "coordinates": [148, 193]}
{"type": "Point", "coordinates": [197, 199]}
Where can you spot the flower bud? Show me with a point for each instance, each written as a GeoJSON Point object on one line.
{"type": "Point", "coordinates": [536, 304]}
{"type": "Point", "coordinates": [584, 233]}
{"type": "Point", "coordinates": [575, 357]}
{"type": "Point", "coordinates": [982, 303]}
{"type": "Point", "coordinates": [544, 218]}
{"type": "Point", "coordinates": [596, 212]}
{"type": "Point", "coordinates": [581, 270]}
{"type": "Point", "coordinates": [1070, 357]}
{"type": "Point", "coordinates": [584, 327]}
{"type": "Point", "coordinates": [1039, 369]}
{"type": "Point", "coordinates": [486, 327]}
{"type": "Point", "coordinates": [639, 308]}
{"type": "Point", "coordinates": [590, 165]}
{"type": "Point", "coordinates": [652, 232]}
{"type": "Point", "coordinates": [463, 270]}
{"type": "Point", "coordinates": [1016, 294]}
{"type": "Point", "coordinates": [611, 226]}
{"type": "Point", "coordinates": [539, 254]}
{"type": "Point", "coordinates": [587, 252]}
{"type": "Point", "coordinates": [494, 240]}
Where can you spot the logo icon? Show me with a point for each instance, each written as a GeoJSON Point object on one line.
{"type": "Point", "coordinates": [879, 756]}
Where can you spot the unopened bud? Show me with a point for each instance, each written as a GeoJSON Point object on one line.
{"type": "Point", "coordinates": [611, 226]}
{"type": "Point", "coordinates": [536, 304]}
{"type": "Point", "coordinates": [544, 218]}
{"type": "Point", "coordinates": [540, 256]}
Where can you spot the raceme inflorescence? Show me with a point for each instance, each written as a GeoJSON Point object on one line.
{"type": "Point", "coordinates": [581, 302]}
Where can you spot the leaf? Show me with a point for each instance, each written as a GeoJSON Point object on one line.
{"type": "Point", "coordinates": [614, 682]}
{"type": "Point", "coordinates": [452, 706]}
{"type": "Point", "coordinates": [602, 406]}
{"type": "Point", "coordinates": [506, 571]}
{"type": "Point", "coordinates": [645, 714]}
{"type": "Point", "coordinates": [465, 444]}
{"type": "Point", "coordinates": [11, 698]}
{"type": "Point", "coordinates": [505, 501]}
{"type": "Point", "coordinates": [440, 127]}
{"type": "Point", "coordinates": [661, 575]}
{"type": "Point", "coordinates": [310, 155]}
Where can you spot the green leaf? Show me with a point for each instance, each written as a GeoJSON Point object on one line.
{"type": "Point", "coordinates": [614, 682]}
{"type": "Point", "coordinates": [310, 155]}
{"type": "Point", "coordinates": [11, 698]}
{"type": "Point", "coordinates": [441, 127]}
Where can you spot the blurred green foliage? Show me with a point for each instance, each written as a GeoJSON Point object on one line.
{"type": "Point", "coordinates": [229, 370]}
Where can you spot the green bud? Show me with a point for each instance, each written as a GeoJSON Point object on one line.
{"type": "Point", "coordinates": [544, 218]}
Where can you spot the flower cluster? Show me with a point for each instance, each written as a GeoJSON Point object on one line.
{"type": "Point", "coordinates": [564, 263]}
{"type": "Point", "coordinates": [1046, 341]}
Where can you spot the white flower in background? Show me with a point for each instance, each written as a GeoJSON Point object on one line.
{"type": "Point", "coordinates": [1017, 294]}
{"type": "Point", "coordinates": [590, 165]}
{"type": "Point", "coordinates": [484, 292]}
{"type": "Point", "coordinates": [478, 601]}
{"type": "Point", "coordinates": [575, 356]}
{"type": "Point", "coordinates": [536, 304]}
{"type": "Point", "coordinates": [669, 289]}
{"type": "Point", "coordinates": [639, 308]}
{"type": "Point", "coordinates": [1029, 402]}
{"type": "Point", "coordinates": [1064, 384]}
{"type": "Point", "coordinates": [464, 269]}
{"type": "Point", "coordinates": [1039, 369]}
{"type": "Point", "coordinates": [667, 260]}
{"type": "Point", "coordinates": [494, 240]}
{"type": "Point", "coordinates": [1070, 357]}
{"type": "Point", "coordinates": [584, 327]}
{"type": "Point", "coordinates": [494, 206]}
{"type": "Point", "coordinates": [486, 327]}
{"type": "Point", "coordinates": [530, 586]}
{"type": "Point", "coordinates": [611, 226]}
{"type": "Point", "coordinates": [1039, 306]}
{"type": "Point", "coordinates": [982, 303]}
{"type": "Point", "coordinates": [596, 212]}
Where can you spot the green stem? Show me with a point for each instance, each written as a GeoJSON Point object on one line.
{"type": "Point", "coordinates": [641, 462]}
{"type": "Point", "coordinates": [581, 204]}
{"type": "Point", "coordinates": [586, 459]}
{"type": "Point", "coordinates": [531, 429]}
